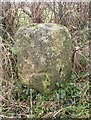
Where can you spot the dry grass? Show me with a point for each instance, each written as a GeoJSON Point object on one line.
{"type": "Point", "coordinates": [71, 100]}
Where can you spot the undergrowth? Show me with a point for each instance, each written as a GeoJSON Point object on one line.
{"type": "Point", "coordinates": [70, 100]}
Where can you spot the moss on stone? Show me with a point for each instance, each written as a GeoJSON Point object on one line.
{"type": "Point", "coordinates": [43, 55]}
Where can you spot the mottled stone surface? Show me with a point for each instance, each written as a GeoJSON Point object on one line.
{"type": "Point", "coordinates": [43, 55]}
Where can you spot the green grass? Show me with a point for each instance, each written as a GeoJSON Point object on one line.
{"type": "Point", "coordinates": [70, 100]}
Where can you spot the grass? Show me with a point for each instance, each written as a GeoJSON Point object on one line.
{"type": "Point", "coordinates": [70, 100]}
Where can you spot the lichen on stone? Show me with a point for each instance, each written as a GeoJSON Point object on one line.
{"type": "Point", "coordinates": [44, 55]}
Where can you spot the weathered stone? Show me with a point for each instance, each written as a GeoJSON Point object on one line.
{"type": "Point", "coordinates": [43, 55]}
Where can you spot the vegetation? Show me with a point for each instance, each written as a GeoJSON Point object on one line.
{"type": "Point", "coordinates": [71, 99]}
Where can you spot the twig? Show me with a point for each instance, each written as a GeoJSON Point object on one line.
{"type": "Point", "coordinates": [57, 112]}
